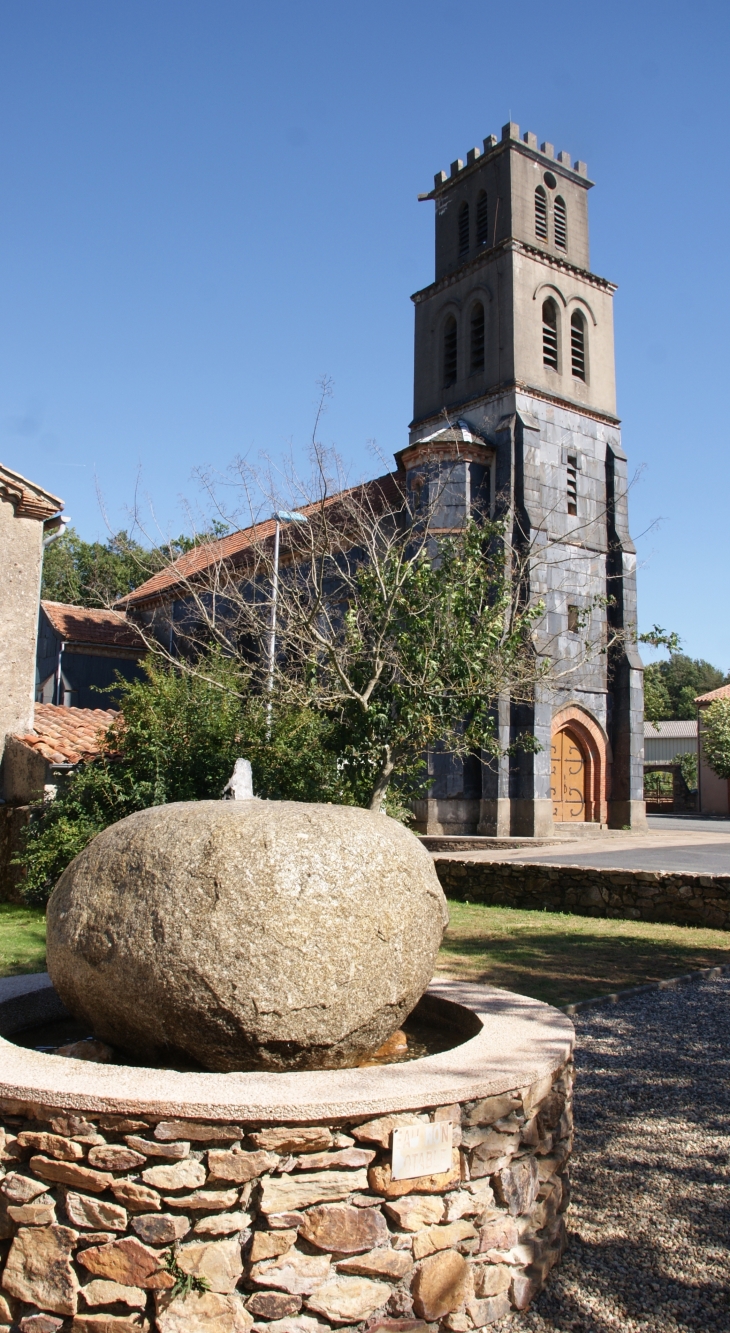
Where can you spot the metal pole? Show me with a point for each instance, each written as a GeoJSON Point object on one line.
{"type": "Point", "coordinates": [272, 630]}
{"type": "Point", "coordinates": [59, 674]}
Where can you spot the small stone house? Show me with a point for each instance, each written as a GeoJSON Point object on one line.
{"type": "Point", "coordinates": [29, 516]}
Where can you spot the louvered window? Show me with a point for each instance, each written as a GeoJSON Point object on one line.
{"type": "Point", "coordinates": [476, 359]}
{"type": "Point", "coordinates": [572, 485]}
{"type": "Point", "coordinates": [450, 349]}
{"type": "Point", "coordinates": [549, 335]}
{"type": "Point", "coordinates": [578, 345]}
{"type": "Point", "coordinates": [541, 223]}
{"type": "Point", "coordinates": [560, 224]}
{"type": "Point", "coordinates": [463, 231]}
{"type": "Point", "coordinates": [482, 219]}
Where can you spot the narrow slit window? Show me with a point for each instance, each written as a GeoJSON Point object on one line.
{"type": "Point", "coordinates": [550, 335]}
{"type": "Point", "coordinates": [578, 345]}
{"type": "Point", "coordinates": [482, 219]}
{"type": "Point", "coordinates": [450, 351]}
{"type": "Point", "coordinates": [463, 231]}
{"type": "Point", "coordinates": [476, 359]}
{"type": "Point", "coordinates": [572, 485]}
{"type": "Point", "coordinates": [560, 223]}
{"type": "Point", "coordinates": [541, 216]}
{"type": "Point", "coordinates": [573, 620]}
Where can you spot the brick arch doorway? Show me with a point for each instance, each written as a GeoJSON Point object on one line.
{"type": "Point", "coordinates": [579, 768]}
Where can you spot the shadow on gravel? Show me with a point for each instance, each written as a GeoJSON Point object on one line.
{"type": "Point", "coordinates": [626, 1281]}
{"type": "Point", "coordinates": [650, 1217]}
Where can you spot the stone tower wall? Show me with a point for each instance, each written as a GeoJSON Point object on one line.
{"type": "Point", "coordinates": [533, 422]}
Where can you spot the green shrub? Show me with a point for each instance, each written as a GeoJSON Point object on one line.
{"type": "Point", "coordinates": [177, 740]}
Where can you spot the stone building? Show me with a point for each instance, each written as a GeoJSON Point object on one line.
{"type": "Point", "coordinates": [515, 392]}
{"type": "Point", "coordinates": [29, 515]}
{"type": "Point", "coordinates": [515, 414]}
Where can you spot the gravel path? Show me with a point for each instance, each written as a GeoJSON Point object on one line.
{"type": "Point", "coordinates": [649, 1222]}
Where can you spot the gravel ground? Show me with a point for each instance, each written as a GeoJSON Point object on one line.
{"type": "Point", "coordinates": [649, 1222]}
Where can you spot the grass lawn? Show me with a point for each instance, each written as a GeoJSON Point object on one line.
{"type": "Point", "coordinates": [553, 956]}
{"type": "Point", "coordinates": [562, 958]}
{"type": "Point", "coordinates": [22, 939]}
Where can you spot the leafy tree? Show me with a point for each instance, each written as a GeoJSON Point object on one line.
{"type": "Point", "coordinates": [715, 720]}
{"type": "Point", "coordinates": [94, 573]}
{"type": "Point", "coordinates": [177, 740]}
{"type": "Point", "coordinates": [657, 703]}
{"type": "Point", "coordinates": [688, 763]}
{"type": "Point", "coordinates": [671, 687]}
{"type": "Point", "coordinates": [427, 644]}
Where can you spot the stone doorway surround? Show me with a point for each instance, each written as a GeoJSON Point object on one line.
{"type": "Point", "coordinates": [594, 744]}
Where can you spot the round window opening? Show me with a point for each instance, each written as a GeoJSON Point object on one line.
{"type": "Point", "coordinates": [550, 180]}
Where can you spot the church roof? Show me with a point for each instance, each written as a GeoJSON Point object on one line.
{"type": "Point", "coordinates": [233, 548]}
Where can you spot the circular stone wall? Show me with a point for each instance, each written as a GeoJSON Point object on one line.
{"type": "Point", "coordinates": [279, 1190]}
{"type": "Point", "coordinates": [246, 934]}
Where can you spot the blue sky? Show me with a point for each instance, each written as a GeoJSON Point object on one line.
{"type": "Point", "coordinates": [206, 205]}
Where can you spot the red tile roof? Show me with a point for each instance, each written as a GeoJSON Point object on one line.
{"type": "Point", "coordinates": [68, 735]}
{"type": "Point", "coordinates": [28, 499]}
{"type": "Point", "coordinates": [722, 693]}
{"type": "Point", "coordinates": [86, 625]}
{"type": "Point", "coordinates": [230, 549]}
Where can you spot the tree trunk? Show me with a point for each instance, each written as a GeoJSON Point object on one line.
{"type": "Point", "coordinates": [381, 785]}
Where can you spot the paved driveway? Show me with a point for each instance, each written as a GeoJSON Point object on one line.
{"type": "Point", "coordinates": [672, 843]}
{"type": "Point", "coordinates": [707, 858]}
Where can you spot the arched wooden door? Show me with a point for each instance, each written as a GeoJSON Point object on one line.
{"type": "Point", "coordinates": [567, 778]}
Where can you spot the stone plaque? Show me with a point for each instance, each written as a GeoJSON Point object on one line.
{"type": "Point", "coordinates": [422, 1150]}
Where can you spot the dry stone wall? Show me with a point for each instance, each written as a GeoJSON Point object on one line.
{"type": "Point", "coordinates": [685, 899]}
{"type": "Point", "coordinates": [122, 1223]}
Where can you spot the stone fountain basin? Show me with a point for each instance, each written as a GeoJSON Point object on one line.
{"type": "Point", "coordinates": [505, 1041]}
{"type": "Point", "coordinates": [309, 1157]}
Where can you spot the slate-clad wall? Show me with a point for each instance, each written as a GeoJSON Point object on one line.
{"type": "Point", "coordinates": [88, 674]}
{"type": "Point", "coordinates": [585, 561]}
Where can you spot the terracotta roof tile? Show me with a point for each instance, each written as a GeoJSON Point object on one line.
{"type": "Point", "coordinates": [68, 735]}
{"type": "Point", "coordinates": [28, 499]}
{"type": "Point", "coordinates": [87, 625]}
{"type": "Point", "coordinates": [722, 693]}
{"type": "Point", "coordinates": [233, 546]}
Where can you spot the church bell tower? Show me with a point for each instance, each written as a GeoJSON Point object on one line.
{"type": "Point", "coordinates": [514, 391]}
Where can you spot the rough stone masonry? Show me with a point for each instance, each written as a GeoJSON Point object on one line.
{"type": "Point", "coordinates": [106, 1220]}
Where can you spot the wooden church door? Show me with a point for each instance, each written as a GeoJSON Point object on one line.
{"type": "Point", "coordinates": [567, 779]}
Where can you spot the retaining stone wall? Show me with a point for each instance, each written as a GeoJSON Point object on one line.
{"type": "Point", "coordinates": [645, 895]}
{"type": "Point", "coordinates": [294, 1230]}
